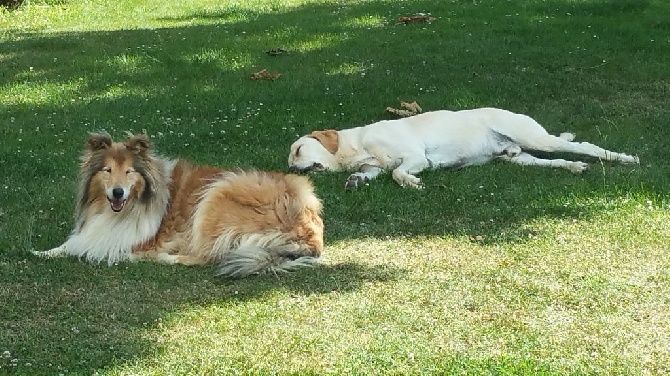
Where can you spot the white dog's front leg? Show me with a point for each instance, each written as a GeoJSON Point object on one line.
{"type": "Point", "coordinates": [404, 174]}
{"type": "Point", "coordinates": [59, 251]}
{"type": "Point", "coordinates": [366, 173]}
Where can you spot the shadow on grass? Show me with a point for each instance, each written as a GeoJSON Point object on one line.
{"type": "Point", "coordinates": [63, 315]}
{"type": "Point", "coordinates": [188, 86]}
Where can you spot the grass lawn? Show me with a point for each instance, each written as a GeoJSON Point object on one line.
{"type": "Point", "coordinates": [497, 269]}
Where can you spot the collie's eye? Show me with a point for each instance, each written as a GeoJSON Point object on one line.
{"type": "Point", "coordinates": [107, 169]}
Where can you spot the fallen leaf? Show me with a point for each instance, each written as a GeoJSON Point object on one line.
{"type": "Point", "coordinates": [265, 75]}
{"type": "Point", "coordinates": [411, 106]}
{"type": "Point", "coordinates": [401, 113]}
{"type": "Point", "coordinates": [408, 109]}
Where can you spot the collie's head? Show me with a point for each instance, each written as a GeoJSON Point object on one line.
{"type": "Point", "coordinates": [116, 175]}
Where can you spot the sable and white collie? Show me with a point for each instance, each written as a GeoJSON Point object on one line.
{"type": "Point", "coordinates": [133, 204]}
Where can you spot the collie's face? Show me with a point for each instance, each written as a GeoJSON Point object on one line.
{"type": "Point", "coordinates": [119, 181]}
{"type": "Point", "coordinates": [117, 172]}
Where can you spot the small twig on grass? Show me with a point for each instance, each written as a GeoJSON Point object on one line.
{"type": "Point", "coordinates": [276, 52]}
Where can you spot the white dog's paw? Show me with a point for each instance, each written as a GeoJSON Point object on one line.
{"type": "Point", "coordinates": [578, 167]}
{"type": "Point", "coordinates": [54, 252]}
{"type": "Point", "coordinates": [355, 180]}
{"type": "Point", "coordinates": [512, 151]}
{"type": "Point", "coordinates": [567, 136]}
{"type": "Point", "coordinates": [412, 182]}
{"type": "Point", "coordinates": [629, 159]}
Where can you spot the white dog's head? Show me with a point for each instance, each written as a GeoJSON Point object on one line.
{"type": "Point", "coordinates": [315, 152]}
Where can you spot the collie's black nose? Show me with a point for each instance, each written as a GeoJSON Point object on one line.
{"type": "Point", "coordinates": [117, 192]}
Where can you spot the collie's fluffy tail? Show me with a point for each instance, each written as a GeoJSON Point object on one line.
{"type": "Point", "coordinates": [246, 261]}
{"type": "Point", "coordinates": [254, 222]}
{"type": "Point", "coordinates": [257, 254]}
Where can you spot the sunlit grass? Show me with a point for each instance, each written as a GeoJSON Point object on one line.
{"type": "Point", "coordinates": [348, 69]}
{"type": "Point", "coordinates": [316, 42]}
{"type": "Point", "coordinates": [130, 64]}
{"type": "Point", "coordinates": [367, 21]}
{"type": "Point", "coordinates": [222, 59]}
{"type": "Point", "coordinates": [496, 269]}
{"type": "Point", "coordinates": [484, 302]}
{"type": "Point", "coordinates": [29, 93]}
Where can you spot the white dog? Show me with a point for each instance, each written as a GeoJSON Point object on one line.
{"type": "Point", "coordinates": [437, 139]}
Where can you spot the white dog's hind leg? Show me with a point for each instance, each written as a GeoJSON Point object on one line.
{"type": "Point", "coordinates": [526, 159]}
{"type": "Point", "coordinates": [59, 251]}
{"type": "Point", "coordinates": [567, 136]}
{"type": "Point", "coordinates": [365, 174]}
{"type": "Point", "coordinates": [563, 144]}
{"type": "Point", "coordinates": [404, 174]}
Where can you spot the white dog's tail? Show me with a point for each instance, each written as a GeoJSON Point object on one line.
{"type": "Point", "coordinates": [257, 254]}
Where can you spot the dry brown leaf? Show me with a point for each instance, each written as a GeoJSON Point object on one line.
{"type": "Point", "coordinates": [409, 109]}
{"type": "Point", "coordinates": [401, 113]}
{"type": "Point", "coordinates": [411, 106]}
{"type": "Point", "coordinates": [265, 75]}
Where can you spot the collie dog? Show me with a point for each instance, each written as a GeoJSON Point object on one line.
{"type": "Point", "coordinates": [133, 204]}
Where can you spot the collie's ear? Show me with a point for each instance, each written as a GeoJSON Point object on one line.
{"type": "Point", "coordinates": [98, 141]}
{"type": "Point", "coordinates": [138, 144]}
{"type": "Point", "coordinates": [328, 138]}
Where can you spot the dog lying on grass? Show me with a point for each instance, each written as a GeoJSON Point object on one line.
{"type": "Point", "coordinates": [437, 139]}
{"type": "Point", "coordinates": [133, 204]}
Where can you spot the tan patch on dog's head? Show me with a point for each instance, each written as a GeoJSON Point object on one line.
{"type": "Point", "coordinates": [328, 138]}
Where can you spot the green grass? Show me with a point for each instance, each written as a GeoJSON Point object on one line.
{"type": "Point", "coordinates": [497, 269]}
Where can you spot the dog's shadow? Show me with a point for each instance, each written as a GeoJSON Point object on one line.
{"type": "Point", "coordinates": [96, 317]}
{"type": "Point", "coordinates": [497, 203]}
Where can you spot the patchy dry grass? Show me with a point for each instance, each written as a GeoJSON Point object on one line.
{"type": "Point", "coordinates": [496, 269]}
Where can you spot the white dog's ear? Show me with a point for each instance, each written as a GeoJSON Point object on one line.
{"type": "Point", "coordinates": [328, 138]}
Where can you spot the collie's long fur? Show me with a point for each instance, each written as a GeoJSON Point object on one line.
{"type": "Point", "coordinates": [133, 204]}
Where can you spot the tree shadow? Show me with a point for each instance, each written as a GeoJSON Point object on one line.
{"type": "Point", "coordinates": [64, 315]}
{"type": "Point", "coordinates": [188, 87]}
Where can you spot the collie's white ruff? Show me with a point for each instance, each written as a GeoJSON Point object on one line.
{"type": "Point", "coordinates": [110, 236]}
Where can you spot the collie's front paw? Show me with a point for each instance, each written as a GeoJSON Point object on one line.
{"type": "Point", "coordinates": [54, 252]}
